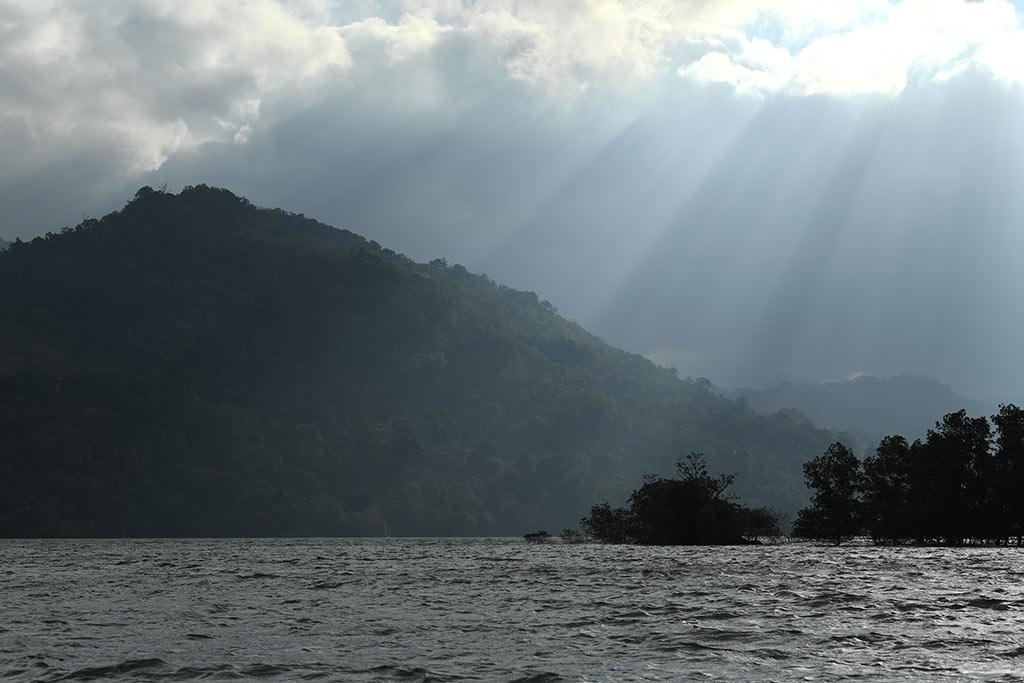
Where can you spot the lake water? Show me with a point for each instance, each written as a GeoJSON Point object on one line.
{"type": "Point", "coordinates": [499, 609]}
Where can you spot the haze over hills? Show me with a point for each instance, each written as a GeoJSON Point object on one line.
{"type": "Point", "coordinates": [869, 407]}
{"type": "Point", "coordinates": [195, 365]}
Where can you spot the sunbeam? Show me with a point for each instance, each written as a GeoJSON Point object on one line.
{"type": "Point", "coordinates": [511, 340]}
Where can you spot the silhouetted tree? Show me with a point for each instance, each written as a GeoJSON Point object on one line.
{"type": "Point", "coordinates": [887, 514]}
{"type": "Point", "coordinates": [693, 472]}
{"type": "Point", "coordinates": [609, 525]}
{"type": "Point", "coordinates": [1009, 466]}
{"type": "Point", "coordinates": [690, 510]}
{"type": "Point", "coordinates": [572, 536]}
{"type": "Point", "coordinates": [960, 485]}
{"type": "Point", "coordinates": [761, 522]}
{"type": "Point", "coordinates": [539, 536]}
{"type": "Point", "coordinates": [834, 511]}
{"type": "Point", "coordinates": [953, 480]}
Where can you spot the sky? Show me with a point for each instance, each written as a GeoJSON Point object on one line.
{"type": "Point", "coordinates": [745, 190]}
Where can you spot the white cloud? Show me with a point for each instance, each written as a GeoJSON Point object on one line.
{"type": "Point", "coordinates": [758, 67]}
{"type": "Point", "coordinates": [147, 77]}
{"type": "Point", "coordinates": [413, 35]}
{"type": "Point", "coordinates": [142, 80]}
{"type": "Point", "coordinates": [869, 48]}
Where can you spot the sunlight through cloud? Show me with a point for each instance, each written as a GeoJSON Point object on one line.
{"type": "Point", "coordinates": [878, 50]}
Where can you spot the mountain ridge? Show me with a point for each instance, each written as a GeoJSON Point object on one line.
{"type": "Point", "coordinates": [195, 365]}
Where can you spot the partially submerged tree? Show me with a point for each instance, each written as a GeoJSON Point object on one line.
{"type": "Point", "coordinates": [759, 523]}
{"type": "Point", "coordinates": [834, 511]}
{"type": "Point", "coordinates": [887, 514]}
{"type": "Point", "coordinates": [954, 479]}
{"type": "Point", "coordinates": [572, 536]}
{"type": "Point", "coordinates": [609, 525]}
{"type": "Point", "coordinates": [1009, 463]}
{"type": "Point", "coordinates": [691, 510]}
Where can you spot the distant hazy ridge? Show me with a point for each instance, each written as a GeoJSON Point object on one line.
{"type": "Point", "coordinates": [870, 407]}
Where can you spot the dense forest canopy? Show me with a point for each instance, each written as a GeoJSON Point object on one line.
{"type": "Point", "coordinates": [195, 365]}
{"type": "Point", "coordinates": [869, 407]}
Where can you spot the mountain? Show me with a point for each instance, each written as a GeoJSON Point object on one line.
{"type": "Point", "coordinates": [3, 244]}
{"type": "Point", "coordinates": [193, 365]}
{"type": "Point", "coordinates": [869, 407]}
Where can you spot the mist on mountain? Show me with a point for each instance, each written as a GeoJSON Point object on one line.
{"type": "Point", "coordinates": [870, 407]}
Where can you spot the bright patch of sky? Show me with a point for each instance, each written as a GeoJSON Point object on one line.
{"type": "Point", "coordinates": [863, 48]}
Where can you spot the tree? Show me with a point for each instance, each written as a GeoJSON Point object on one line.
{"type": "Point", "coordinates": [758, 522]}
{"type": "Point", "coordinates": [691, 510]}
{"type": "Point", "coordinates": [693, 472]}
{"type": "Point", "coordinates": [1009, 464]}
{"type": "Point", "coordinates": [834, 511]}
{"type": "Point", "coordinates": [608, 524]}
{"type": "Point", "coordinates": [953, 480]}
{"type": "Point", "coordinates": [960, 485]}
{"type": "Point", "coordinates": [886, 505]}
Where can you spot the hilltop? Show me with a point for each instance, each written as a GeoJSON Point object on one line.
{"type": "Point", "coordinates": [196, 365]}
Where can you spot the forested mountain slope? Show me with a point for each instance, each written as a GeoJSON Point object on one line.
{"type": "Point", "coordinates": [195, 365]}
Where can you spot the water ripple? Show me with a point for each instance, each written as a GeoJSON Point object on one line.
{"type": "Point", "coordinates": [497, 609]}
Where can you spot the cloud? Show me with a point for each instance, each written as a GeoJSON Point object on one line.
{"type": "Point", "coordinates": [872, 49]}
{"type": "Point", "coordinates": [759, 67]}
{"type": "Point", "coordinates": [151, 79]}
{"type": "Point", "coordinates": [146, 78]}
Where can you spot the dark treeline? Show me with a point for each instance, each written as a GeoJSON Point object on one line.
{"type": "Point", "coordinates": [691, 510]}
{"type": "Point", "coordinates": [961, 485]}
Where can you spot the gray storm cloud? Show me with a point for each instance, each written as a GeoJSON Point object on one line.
{"type": "Point", "coordinates": [743, 190]}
